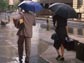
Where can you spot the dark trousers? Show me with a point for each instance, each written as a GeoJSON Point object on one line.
{"type": "Point", "coordinates": [24, 42]}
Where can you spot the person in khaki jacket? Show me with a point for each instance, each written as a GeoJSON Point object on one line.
{"type": "Point", "coordinates": [26, 21]}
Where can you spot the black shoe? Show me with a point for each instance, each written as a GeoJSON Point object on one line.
{"type": "Point", "coordinates": [20, 61]}
{"type": "Point", "coordinates": [58, 57]}
{"type": "Point", "coordinates": [61, 58]}
{"type": "Point", "coordinates": [26, 61]}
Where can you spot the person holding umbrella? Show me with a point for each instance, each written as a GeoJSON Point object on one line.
{"type": "Point", "coordinates": [24, 33]}
{"type": "Point", "coordinates": [26, 21]}
{"type": "Point", "coordinates": [61, 32]}
{"type": "Point", "coordinates": [61, 13]}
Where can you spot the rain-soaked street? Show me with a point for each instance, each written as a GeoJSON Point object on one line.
{"type": "Point", "coordinates": [8, 44]}
{"type": "Point", "coordinates": [42, 50]}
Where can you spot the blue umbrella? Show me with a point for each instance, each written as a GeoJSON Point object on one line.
{"type": "Point", "coordinates": [30, 6]}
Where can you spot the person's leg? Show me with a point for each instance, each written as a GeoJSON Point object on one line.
{"type": "Point", "coordinates": [58, 54]}
{"type": "Point", "coordinates": [62, 35]}
{"type": "Point", "coordinates": [61, 53]}
{"type": "Point", "coordinates": [62, 41]}
{"type": "Point", "coordinates": [20, 47]}
{"type": "Point", "coordinates": [57, 45]}
{"type": "Point", "coordinates": [62, 50]}
{"type": "Point", "coordinates": [27, 49]}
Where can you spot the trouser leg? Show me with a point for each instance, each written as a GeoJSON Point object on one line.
{"type": "Point", "coordinates": [20, 47]}
{"type": "Point", "coordinates": [27, 49]}
{"type": "Point", "coordinates": [62, 50]}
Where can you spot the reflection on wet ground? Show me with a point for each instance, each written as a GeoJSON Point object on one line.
{"type": "Point", "coordinates": [41, 47]}
{"type": "Point", "coordinates": [7, 50]}
{"type": "Point", "coordinates": [8, 45]}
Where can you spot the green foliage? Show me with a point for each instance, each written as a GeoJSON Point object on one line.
{"type": "Point", "coordinates": [16, 5]}
{"type": "Point", "coordinates": [3, 5]}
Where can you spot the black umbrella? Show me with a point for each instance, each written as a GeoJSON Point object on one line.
{"type": "Point", "coordinates": [63, 10]}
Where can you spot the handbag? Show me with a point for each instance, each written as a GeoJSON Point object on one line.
{"type": "Point", "coordinates": [18, 23]}
{"type": "Point", "coordinates": [70, 44]}
{"type": "Point", "coordinates": [53, 36]}
{"type": "Point", "coordinates": [56, 40]}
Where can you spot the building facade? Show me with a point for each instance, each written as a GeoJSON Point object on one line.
{"type": "Point", "coordinates": [78, 5]}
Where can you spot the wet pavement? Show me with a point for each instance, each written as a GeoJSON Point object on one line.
{"type": "Point", "coordinates": [50, 53]}
{"type": "Point", "coordinates": [8, 45]}
{"type": "Point", "coordinates": [42, 50]}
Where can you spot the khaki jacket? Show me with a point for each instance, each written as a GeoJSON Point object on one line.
{"type": "Point", "coordinates": [29, 21]}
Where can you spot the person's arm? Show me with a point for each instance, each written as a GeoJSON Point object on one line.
{"type": "Point", "coordinates": [16, 22]}
{"type": "Point", "coordinates": [54, 20]}
{"type": "Point", "coordinates": [67, 29]}
{"type": "Point", "coordinates": [34, 20]}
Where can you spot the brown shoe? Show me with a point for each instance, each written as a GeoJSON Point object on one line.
{"type": "Point", "coordinates": [26, 60]}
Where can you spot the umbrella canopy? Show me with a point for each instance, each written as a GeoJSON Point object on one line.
{"type": "Point", "coordinates": [30, 6]}
{"type": "Point", "coordinates": [63, 10]}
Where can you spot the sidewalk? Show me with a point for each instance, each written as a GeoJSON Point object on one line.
{"type": "Point", "coordinates": [42, 46]}
{"type": "Point", "coordinates": [50, 53]}
{"type": "Point", "coordinates": [8, 45]}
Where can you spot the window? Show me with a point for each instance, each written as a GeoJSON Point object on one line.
{"type": "Point", "coordinates": [70, 30]}
{"type": "Point", "coordinates": [80, 32]}
{"type": "Point", "coordinates": [79, 3]}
